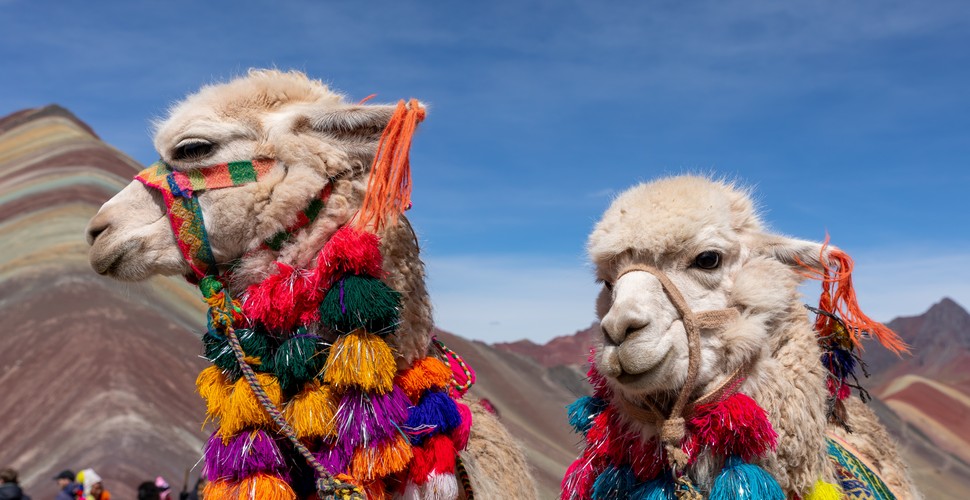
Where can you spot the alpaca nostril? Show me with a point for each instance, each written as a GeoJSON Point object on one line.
{"type": "Point", "coordinates": [94, 230]}
{"type": "Point", "coordinates": [619, 333]}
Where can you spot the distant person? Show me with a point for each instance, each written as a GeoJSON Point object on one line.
{"type": "Point", "coordinates": [68, 489]}
{"type": "Point", "coordinates": [9, 488]}
{"type": "Point", "coordinates": [196, 493]}
{"type": "Point", "coordinates": [148, 491]}
{"type": "Point", "coordinates": [164, 489]}
{"type": "Point", "coordinates": [93, 487]}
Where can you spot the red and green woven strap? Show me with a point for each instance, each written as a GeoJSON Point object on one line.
{"type": "Point", "coordinates": [184, 212]}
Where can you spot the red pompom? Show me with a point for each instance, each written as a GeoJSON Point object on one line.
{"type": "Point", "coordinates": [350, 251]}
{"type": "Point", "coordinates": [577, 484]}
{"type": "Point", "coordinates": [736, 425]}
{"type": "Point", "coordinates": [437, 455]}
{"type": "Point", "coordinates": [596, 379]}
{"type": "Point", "coordinates": [646, 458]}
{"type": "Point", "coordinates": [841, 391]}
{"type": "Point", "coordinates": [285, 299]}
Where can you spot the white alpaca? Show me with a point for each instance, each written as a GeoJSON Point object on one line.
{"type": "Point", "coordinates": [318, 143]}
{"type": "Point", "coordinates": [705, 237]}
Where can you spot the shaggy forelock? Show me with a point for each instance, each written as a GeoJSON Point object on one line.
{"type": "Point", "coordinates": [671, 214]}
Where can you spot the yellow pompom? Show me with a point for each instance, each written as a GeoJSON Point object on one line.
{"type": "Point", "coordinates": [243, 409]}
{"type": "Point", "coordinates": [824, 491]}
{"type": "Point", "coordinates": [383, 460]}
{"type": "Point", "coordinates": [311, 412]}
{"type": "Point", "coordinates": [215, 389]}
{"type": "Point", "coordinates": [362, 360]}
{"type": "Point", "coordinates": [264, 487]}
{"type": "Point", "coordinates": [424, 374]}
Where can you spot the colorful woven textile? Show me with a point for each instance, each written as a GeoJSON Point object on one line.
{"type": "Point", "coordinates": [184, 213]}
{"type": "Point", "coordinates": [856, 478]}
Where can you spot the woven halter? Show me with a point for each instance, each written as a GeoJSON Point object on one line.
{"type": "Point", "coordinates": [672, 426]}
{"type": "Point", "coordinates": [179, 190]}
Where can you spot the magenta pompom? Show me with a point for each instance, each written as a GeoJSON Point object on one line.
{"type": "Point", "coordinates": [366, 419]}
{"type": "Point", "coordinates": [460, 435]}
{"type": "Point", "coordinates": [246, 454]}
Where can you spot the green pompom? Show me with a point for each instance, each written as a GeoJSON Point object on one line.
{"type": "Point", "coordinates": [217, 349]}
{"type": "Point", "coordinates": [298, 360]}
{"type": "Point", "coordinates": [361, 302]}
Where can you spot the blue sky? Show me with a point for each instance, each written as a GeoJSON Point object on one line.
{"type": "Point", "coordinates": [847, 117]}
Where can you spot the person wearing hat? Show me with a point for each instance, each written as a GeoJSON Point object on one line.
{"type": "Point", "coordinates": [9, 489]}
{"type": "Point", "coordinates": [68, 488]}
{"type": "Point", "coordinates": [93, 487]}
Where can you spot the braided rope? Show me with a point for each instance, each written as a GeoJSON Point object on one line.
{"type": "Point", "coordinates": [469, 375]}
{"type": "Point", "coordinates": [327, 485]}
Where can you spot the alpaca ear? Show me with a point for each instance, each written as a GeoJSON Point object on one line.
{"type": "Point", "coordinates": [359, 122]}
{"type": "Point", "coordinates": [792, 252]}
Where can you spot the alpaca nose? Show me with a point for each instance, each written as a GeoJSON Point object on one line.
{"type": "Point", "coordinates": [621, 326]}
{"type": "Point", "coordinates": [99, 224]}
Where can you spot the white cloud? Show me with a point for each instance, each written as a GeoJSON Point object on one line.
{"type": "Point", "coordinates": [507, 298]}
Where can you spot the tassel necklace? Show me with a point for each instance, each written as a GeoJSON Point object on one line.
{"type": "Point", "coordinates": [363, 427]}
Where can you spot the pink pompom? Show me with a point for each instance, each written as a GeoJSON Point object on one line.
{"type": "Point", "coordinates": [350, 251]}
{"type": "Point", "coordinates": [285, 299]}
{"type": "Point", "coordinates": [646, 458]}
{"type": "Point", "coordinates": [577, 484]}
{"type": "Point", "coordinates": [460, 435]}
{"type": "Point", "coordinates": [736, 425]}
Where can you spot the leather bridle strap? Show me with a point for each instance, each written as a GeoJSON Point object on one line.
{"type": "Point", "coordinates": [673, 427]}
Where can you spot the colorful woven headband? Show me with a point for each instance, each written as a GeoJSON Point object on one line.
{"type": "Point", "coordinates": [184, 213]}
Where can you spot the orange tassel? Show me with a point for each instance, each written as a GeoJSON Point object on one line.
{"type": "Point", "coordinates": [425, 373]}
{"type": "Point", "coordinates": [311, 412]}
{"type": "Point", "coordinates": [388, 192]}
{"type": "Point", "coordinates": [385, 459]}
{"type": "Point", "coordinates": [839, 298]}
{"type": "Point", "coordinates": [376, 490]}
{"type": "Point", "coordinates": [264, 487]}
{"type": "Point", "coordinates": [220, 489]}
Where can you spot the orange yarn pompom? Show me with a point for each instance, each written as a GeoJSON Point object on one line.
{"type": "Point", "coordinates": [383, 460]}
{"type": "Point", "coordinates": [220, 489]}
{"type": "Point", "coordinates": [311, 412]}
{"type": "Point", "coordinates": [244, 410]}
{"type": "Point", "coordinates": [424, 374]}
{"type": "Point", "coordinates": [361, 360]}
{"type": "Point", "coordinates": [264, 487]}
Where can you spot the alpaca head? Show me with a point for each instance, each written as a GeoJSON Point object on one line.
{"type": "Point", "coordinates": [310, 132]}
{"type": "Point", "coordinates": [706, 237]}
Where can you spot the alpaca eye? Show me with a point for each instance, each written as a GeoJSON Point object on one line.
{"type": "Point", "coordinates": [608, 285]}
{"type": "Point", "coordinates": [193, 149]}
{"type": "Point", "coordinates": [708, 260]}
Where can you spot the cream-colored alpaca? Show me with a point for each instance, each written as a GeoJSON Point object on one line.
{"type": "Point", "coordinates": [316, 138]}
{"type": "Point", "coordinates": [707, 238]}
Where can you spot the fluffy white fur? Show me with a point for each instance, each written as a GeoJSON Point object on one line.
{"type": "Point", "coordinates": [643, 351]}
{"type": "Point", "coordinates": [316, 138]}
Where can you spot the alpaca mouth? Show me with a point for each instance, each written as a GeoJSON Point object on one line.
{"type": "Point", "coordinates": [651, 372]}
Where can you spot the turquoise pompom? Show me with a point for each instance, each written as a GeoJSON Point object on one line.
{"type": "Point", "coordinates": [582, 411]}
{"type": "Point", "coordinates": [662, 488]}
{"type": "Point", "coordinates": [743, 481]}
{"type": "Point", "coordinates": [614, 483]}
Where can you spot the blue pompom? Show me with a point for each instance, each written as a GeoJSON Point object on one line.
{"type": "Point", "coordinates": [662, 488]}
{"type": "Point", "coordinates": [614, 483]}
{"type": "Point", "coordinates": [839, 361]}
{"type": "Point", "coordinates": [742, 481]}
{"type": "Point", "coordinates": [436, 413]}
{"type": "Point", "coordinates": [582, 411]}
